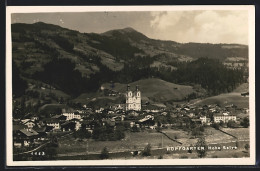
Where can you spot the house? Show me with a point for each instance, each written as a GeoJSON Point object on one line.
{"type": "Point", "coordinates": [205, 120]}
{"type": "Point", "coordinates": [72, 115]}
{"type": "Point", "coordinates": [41, 130]}
{"type": "Point", "coordinates": [148, 120]}
{"type": "Point", "coordinates": [197, 121]}
{"type": "Point", "coordinates": [34, 118]}
{"type": "Point", "coordinates": [100, 110]}
{"type": "Point", "coordinates": [59, 117]}
{"type": "Point", "coordinates": [30, 124]}
{"type": "Point", "coordinates": [55, 123]}
{"type": "Point", "coordinates": [191, 115]}
{"type": "Point", "coordinates": [68, 126]}
{"type": "Point", "coordinates": [24, 137]}
{"type": "Point", "coordinates": [245, 94]}
{"type": "Point", "coordinates": [225, 117]}
{"type": "Point", "coordinates": [110, 122]}
{"type": "Point", "coordinates": [119, 107]}
{"type": "Point", "coordinates": [18, 142]}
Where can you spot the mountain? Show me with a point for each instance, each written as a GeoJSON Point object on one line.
{"type": "Point", "coordinates": [35, 44]}
{"type": "Point", "coordinates": [74, 62]}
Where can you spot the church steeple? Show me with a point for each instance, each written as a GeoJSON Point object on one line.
{"type": "Point", "coordinates": [137, 88]}
{"type": "Point", "coordinates": [133, 99]}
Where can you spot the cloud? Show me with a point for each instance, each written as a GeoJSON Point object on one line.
{"type": "Point", "coordinates": [164, 20]}
{"type": "Point", "coordinates": [202, 26]}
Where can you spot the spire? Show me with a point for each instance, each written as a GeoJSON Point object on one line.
{"type": "Point", "coordinates": [137, 87]}
{"type": "Point", "coordinates": [128, 87]}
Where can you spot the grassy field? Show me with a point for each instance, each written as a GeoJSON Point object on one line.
{"type": "Point", "coordinates": [132, 141]}
{"type": "Point", "coordinates": [240, 133]}
{"type": "Point", "coordinates": [68, 146]}
{"type": "Point", "coordinates": [156, 89]}
{"type": "Point", "coordinates": [229, 98]}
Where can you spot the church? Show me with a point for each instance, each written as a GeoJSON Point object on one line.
{"type": "Point", "coordinates": [133, 99]}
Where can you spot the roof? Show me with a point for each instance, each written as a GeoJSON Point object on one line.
{"type": "Point", "coordinates": [221, 114]}
{"type": "Point", "coordinates": [18, 127]}
{"type": "Point", "coordinates": [29, 133]}
{"type": "Point", "coordinates": [40, 129]}
{"type": "Point", "coordinates": [196, 120]}
{"type": "Point", "coordinates": [57, 116]}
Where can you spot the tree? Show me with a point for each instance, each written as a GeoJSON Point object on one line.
{"type": "Point", "coordinates": [197, 131]}
{"type": "Point", "coordinates": [104, 153]}
{"type": "Point", "coordinates": [231, 124]}
{"type": "Point", "coordinates": [221, 123]}
{"type": "Point", "coordinates": [245, 122]}
{"type": "Point", "coordinates": [201, 147]}
{"type": "Point", "coordinates": [215, 125]}
{"type": "Point", "coordinates": [247, 147]}
{"type": "Point", "coordinates": [135, 129]}
{"type": "Point", "coordinates": [19, 84]}
{"type": "Point", "coordinates": [147, 150]}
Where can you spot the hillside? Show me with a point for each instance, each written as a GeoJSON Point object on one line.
{"type": "Point", "coordinates": [35, 44]}
{"type": "Point", "coordinates": [75, 63]}
{"type": "Point", "coordinates": [229, 98]}
{"type": "Point", "coordinates": [156, 90]}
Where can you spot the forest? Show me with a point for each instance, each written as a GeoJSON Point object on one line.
{"type": "Point", "coordinates": [60, 73]}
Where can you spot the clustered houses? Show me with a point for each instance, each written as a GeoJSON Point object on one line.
{"type": "Point", "coordinates": [32, 130]}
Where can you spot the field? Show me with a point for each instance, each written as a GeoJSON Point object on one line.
{"type": "Point", "coordinates": [68, 146]}
{"type": "Point", "coordinates": [240, 133]}
{"type": "Point", "coordinates": [227, 99]}
{"type": "Point", "coordinates": [89, 149]}
{"type": "Point", "coordinates": [132, 141]}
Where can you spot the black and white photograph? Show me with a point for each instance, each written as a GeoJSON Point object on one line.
{"type": "Point", "coordinates": [130, 85]}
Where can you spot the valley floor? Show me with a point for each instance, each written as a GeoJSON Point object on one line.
{"type": "Point", "coordinates": [71, 148]}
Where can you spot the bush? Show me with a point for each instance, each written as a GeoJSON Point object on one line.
{"type": "Point", "coordinates": [184, 157]}
{"type": "Point", "coordinates": [104, 153]}
{"type": "Point", "coordinates": [247, 146]}
{"type": "Point", "coordinates": [215, 125]}
{"type": "Point", "coordinates": [147, 150]}
{"type": "Point", "coordinates": [231, 124]}
{"type": "Point", "coordinates": [245, 122]}
{"type": "Point", "coordinates": [201, 143]}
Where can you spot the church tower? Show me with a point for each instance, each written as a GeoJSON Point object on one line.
{"type": "Point", "coordinates": [133, 99]}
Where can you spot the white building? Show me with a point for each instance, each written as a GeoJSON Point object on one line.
{"type": "Point", "coordinates": [29, 124]}
{"type": "Point", "coordinates": [205, 120]}
{"type": "Point", "coordinates": [224, 117]}
{"type": "Point", "coordinates": [54, 124]}
{"type": "Point", "coordinates": [72, 115]}
{"type": "Point", "coordinates": [133, 99]}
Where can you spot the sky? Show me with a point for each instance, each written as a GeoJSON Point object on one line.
{"type": "Point", "coordinates": [206, 26]}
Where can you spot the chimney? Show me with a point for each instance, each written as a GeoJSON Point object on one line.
{"type": "Point", "coordinates": [128, 87]}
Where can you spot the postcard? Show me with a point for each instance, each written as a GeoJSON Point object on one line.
{"type": "Point", "coordinates": [130, 85]}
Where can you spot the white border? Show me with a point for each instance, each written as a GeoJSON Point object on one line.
{"type": "Point", "coordinates": [142, 162]}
